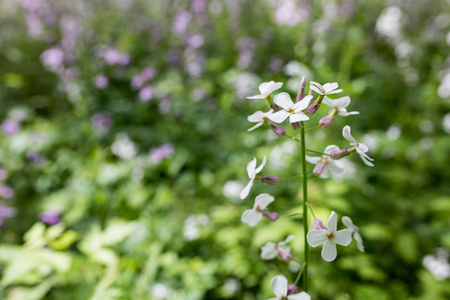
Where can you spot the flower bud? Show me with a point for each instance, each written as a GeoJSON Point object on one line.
{"type": "Point", "coordinates": [318, 169]}
{"type": "Point", "coordinates": [292, 289]}
{"type": "Point", "coordinates": [317, 224]}
{"type": "Point", "coordinates": [285, 255]}
{"type": "Point", "coordinates": [275, 107]}
{"type": "Point", "coordinates": [272, 180]}
{"type": "Point", "coordinates": [312, 109]}
{"type": "Point", "coordinates": [296, 125]}
{"type": "Point", "coordinates": [278, 129]}
{"type": "Point", "coordinates": [326, 121]}
{"type": "Point", "coordinates": [301, 91]}
{"type": "Point", "coordinates": [338, 154]}
{"type": "Point", "coordinates": [272, 216]}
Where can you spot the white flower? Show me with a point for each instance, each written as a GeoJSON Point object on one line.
{"type": "Point", "coordinates": [354, 230]}
{"type": "Point", "coordinates": [254, 215]}
{"type": "Point", "coordinates": [252, 171]}
{"type": "Point", "coordinates": [325, 166]}
{"type": "Point", "coordinates": [259, 118]}
{"type": "Point", "coordinates": [279, 286]}
{"type": "Point", "coordinates": [290, 109]}
{"type": "Point", "coordinates": [361, 148]}
{"type": "Point", "coordinates": [339, 105]}
{"type": "Point", "coordinates": [329, 238]}
{"type": "Point", "coordinates": [326, 89]}
{"type": "Point", "coordinates": [266, 88]}
{"type": "Point", "coordinates": [271, 250]}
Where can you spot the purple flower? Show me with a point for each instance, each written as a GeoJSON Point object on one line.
{"type": "Point", "coordinates": [3, 174]}
{"type": "Point", "coordinates": [6, 212]}
{"type": "Point", "coordinates": [194, 41]}
{"type": "Point", "coordinates": [146, 93]}
{"type": "Point", "coordinates": [101, 82]}
{"type": "Point", "coordinates": [159, 153]}
{"type": "Point", "coordinates": [113, 56]}
{"type": "Point", "coordinates": [6, 192]}
{"type": "Point", "coordinates": [36, 158]}
{"type": "Point", "coordinates": [181, 22]}
{"type": "Point", "coordinates": [148, 73]}
{"type": "Point", "coordinates": [52, 58]}
{"type": "Point", "coordinates": [50, 217]}
{"type": "Point", "coordinates": [10, 127]}
{"type": "Point", "coordinates": [101, 121]}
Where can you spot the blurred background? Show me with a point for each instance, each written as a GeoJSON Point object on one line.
{"type": "Point", "coordinates": [124, 141]}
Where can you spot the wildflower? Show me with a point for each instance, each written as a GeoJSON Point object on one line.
{"type": "Point", "coordinates": [361, 148]}
{"type": "Point", "coordinates": [50, 217]}
{"type": "Point", "coordinates": [158, 154]}
{"type": "Point", "coordinates": [280, 288]}
{"type": "Point", "coordinates": [101, 82]}
{"type": "Point", "coordinates": [354, 230]}
{"type": "Point", "coordinates": [252, 171]}
{"type": "Point", "coordinates": [277, 129]}
{"type": "Point", "coordinates": [272, 180]}
{"type": "Point", "coordinates": [266, 88]}
{"type": "Point", "coordinates": [325, 166]}
{"type": "Point", "coordinates": [339, 106]}
{"type": "Point", "coordinates": [146, 93]}
{"type": "Point", "coordinates": [254, 215]}
{"type": "Point", "coordinates": [289, 109]}
{"type": "Point", "coordinates": [272, 250]}
{"type": "Point", "coordinates": [322, 90]}
{"type": "Point", "coordinates": [10, 127]}
{"type": "Point", "coordinates": [6, 212]}
{"type": "Point", "coordinates": [329, 237]}
{"type": "Point", "coordinates": [259, 118]}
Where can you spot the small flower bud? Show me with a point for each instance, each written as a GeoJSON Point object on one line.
{"type": "Point", "coordinates": [319, 225]}
{"type": "Point", "coordinates": [292, 289]}
{"type": "Point", "coordinates": [296, 125]}
{"type": "Point", "coordinates": [275, 107]}
{"type": "Point", "coordinates": [301, 91]}
{"type": "Point", "coordinates": [319, 169]}
{"type": "Point", "coordinates": [338, 154]}
{"type": "Point", "coordinates": [285, 255]}
{"type": "Point", "coordinates": [326, 121]}
{"type": "Point", "coordinates": [272, 180]}
{"type": "Point", "coordinates": [312, 109]}
{"type": "Point", "coordinates": [272, 216]}
{"type": "Point", "coordinates": [278, 129]}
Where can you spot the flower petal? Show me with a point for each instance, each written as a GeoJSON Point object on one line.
{"type": "Point", "coordinates": [283, 100]}
{"type": "Point", "coordinates": [332, 222]}
{"type": "Point", "coordinates": [330, 148]}
{"type": "Point", "coordinates": [343, 112]}
{"type": "Point", "coordinates": [363, 147]}
{"type": "Point", "coordinates": [263, 87]}
{"type": "Point", "coordinates": [279, 286]}
{"type": "Point", "coordinates": [349, 223]}
{"type": "Point", "coordinates": [335, 169]}
{"type": "Point", "coordinates": [316, 89]}
{"type": "Point", "coordinates": [342, 102]}
{"type": "Point", "coordinates": [246, 190]}
{"type": "Point", "coordinates": [256, 97]}
{"type": "Point", "coordinates": [313, 159]}
{"type": "Point", "coordinates": [251, 217]}
{"type": "Point", "coordinates": [334, 92]}
{"type": "Point", "coordinates": [269, 251]}
{"type": "Point", "coordinates": [328, 87]}
{"type": "Point", "coordinates": [329, 252]}
{"type": "Point", "coordinates": [365, 158]}
{"type": "Point", "coordinates": [256, 117]}
{"type": "Point", "coordinates": [359, 242]}
{"type": "Point", "coordinates": [343, 237]}
{"type": "Point", "coordinates": [261, 166]}
{"type": "Point", "coordinates": [313, 83]}
{"type": "Point", "coordinates": [297, 117]}
{"type": "Point", "coordinates": [279, 116]}
{"type": "Point", "coordinates": [287, 240]}
{"type": "Point", "coordinates": [256, 126]}
{"type": "Point", "coordinates": [302, 104]}
{"type": "Point", "coordinates": [251, 166]}
{"type": "Point", "coordinates": [347, 135]}
{"type": "Point", "coordinates": [273, 87]}
{"type": "Point", "coordinates": [328, 101]}
{"type": "Point", "coordinates": [316, 237]}
{"type": "Point", "coordinates": [262, 200]}
{"type": "Point", "coordinates": [299, 296]}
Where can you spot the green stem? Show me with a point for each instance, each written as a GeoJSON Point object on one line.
{"type": "Point", "coordinates": [315, 127]}
{"type": "Point", "coordinates": [305, 209]}
{"type": "Point", "coordinates": [292, 138]}
{"type": "Point", "coordinates": [314, 151]}
{"type": "Point", "coordinates": [300, 273]}
{"type": "Point", "coordinates": [292, 177]}
{"type": "Point", "coordinates": [290, 215]}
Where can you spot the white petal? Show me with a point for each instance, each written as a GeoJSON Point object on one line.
{"type": "Point", "coordinates": [263, 87]}
{"type": "Point", "coordinates": [279, 116]}
{"type": "Point", "coordinates": [347, 135]}
{"type": "Point", "coordinates": [329, 251]}
{"type": "Point", "coordinates": [273, 87]}
{"type": "Point", "coordinates": [334, 92]}
{"type": "Point", "coordinates": [313, 159]}
{"type": "Point", "coordinates": [256, 117]}
{"type": "Point", "coordinates": [279, 286]}
{"type": "Point", "coordinates": [316, 89]}
{"type": "Point", "coordinates": [365, 158]}
{"type": "Point", "coordinates": [343, 112]}
{"type": "Point", "coordinates": [302, 104]}
{"type": "Point", "coordinates": [349, 223]}
{"type": "Point", "coordinates": [328, 87]}
{"type": "Point", "coordinates": [363, 147]}
{"type": "Point", "coordinates": [269, 251]}
{"type": "Point", "coordinates": [332, 222]}
{"type": "Point", "coordinates": [287, 240]}
{"type": "Point", "coordinates": [335, 169]}
{"type": "Point", "coordinates": [316, 237]}
{"type": "Point", "coordinates": [283, 100]}
{"type": "Point", "coordinates": [342, 102]}
{"type": "Point", "coordinates": [330, 148]}
{"type": "Point", "coordinates": [256, 126]}
{"type": "Point", "coordinates": [299, 296]}
{"type": "Point", "coordinates": [328, 101]}
{"type": "Point", "coordinates": [325, 173]}
{"type": "Point", "coordinates": [359, 242]}
{"type": "Point", "coordinates": [251, 217]}
{"type": "Point", "coordinates": [313, 83]}
{"type": "Point", "coordinates": [297, 117]}
{"type": "Point", "coordinates": [343, 237]}
{"type": "Point", "coordinates": [251, 166]}
{"type": "Point", "coordinates": [256, 97]}
{"type": "Point", "coordinates": [261, 166]}
{"type": "Point", "coordinates": [262, 200]}
{"type": "Point", "coordinates": [246, 190]}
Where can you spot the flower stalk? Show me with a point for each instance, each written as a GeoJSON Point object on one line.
{"type": "Point", "coordinates": [305, 209]}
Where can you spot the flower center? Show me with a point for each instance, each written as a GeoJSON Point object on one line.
{"type": "Point", "coordinates": [330, 235]}
{"type": "Point", "coordinates": [291, 111]}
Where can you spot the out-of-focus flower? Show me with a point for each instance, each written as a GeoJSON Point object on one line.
{"type": "Point", "coordinates": [191, 226]}
{"type": "Point", "coordinates": [325, 166]}
{"type": "Point", "coordinates": [10, 127]}
{"type": "Point", "coordinates": [52, 58]}
{"type": "Point", "coordinates": [279, 285]}
{"type": "Point", "coordinates": [444, 87]}
{"type": "Point", "coordinates": [6, 192]}
{"type": "Point", "coordinates": [446, 123]}
{"type": "Point", "coordinates": [290, 12]}
{"type": "Point", "coordinates": [50, 217]}
{"type": "Point", "coordinates": [3, 174]}
{"type": "Point", "coordinates": [389, 23]}
{"type": "Point", "coordinates": [101, 121]}
{"type": "Point", "coordinates": [252, 171]}
{"type": "Point", "coordinates": [254, 215]}
{"type": "Point", "coordinates": [259, 118]}
{"type": "Point", "coordinates": [181, 22]}
{"type": "Point", "coordinates": [290, 109]}
{"type": "Point", "coordinates": [354, 230]}
{"type": "Point", "coordinates": [113, 56]}
{"type": "Point", "coordinates": [266, 88]}
{"type": "Point", "coordinates": [36, 158]}
{"type": "Point", "coordinates": [159, 153]}
{"type": "Point", "coordinates": [146, 93]}
{"type": "Point", "coordinates": [101, 82]}
{"type": "Point", "coordinates": [329, 237]}
{"type": "Point", "coordinates": [6, 212]}
{"type": "Point", "coordinates": [161, 292]}
{"type": "Point", "coordinates": [272, 250]}
{"type": "Point", "coordinates": [438, 264]}
{"type": "Point", "coordinates": [194, 41]}
{"type": "Point", "coordinates": [359, 147]}
{"type": "Point", "coordinates": [123, 147]}
{"type": "Point", "coordinates": [232, 189]}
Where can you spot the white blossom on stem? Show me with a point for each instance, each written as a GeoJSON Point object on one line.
{"type": "Point", "coordinates": [271, 250]}
{"type": "Point", "coordinates": [290, 109]}
{"type": "Point", "coordinates": [329, 236]}
{"type": "Point", "coordinates": [326, 89]}
{"type": "Point", "coordinates": [266, 88]}
{"type": "Point", "coordinates": [354, 230]}
{"type": "Point", "coordinates": [252, 170]}
{"type": "Point", "coordinates": [259, 118]}
{"type": "Point", "coordinates": [254, 215]}
{"type": "Point", "coordinates": [361, 148]}
{"type": "Point", "coordinates": [325, 166]}
{"type": "Point", "coordinates": [339, 106]}
{"type": "Point", "coordinates": [279, 285]}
